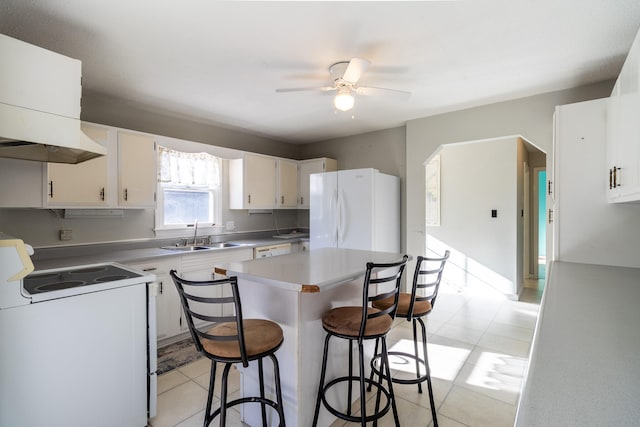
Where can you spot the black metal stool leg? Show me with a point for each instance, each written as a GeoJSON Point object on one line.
{"type": "Point", "coordinates": [375, 351]}
{"type": "Point", "coordinates": [428, 368]}
{"type": "Point", "coordinates": [212, 382]}
{"type": "Point", "coordinates": [223, 395]}
{"type": "Point", "coordinates": [415, 349]}
{"type": "Point", "coordinates": [385, 356]}
{"type": "Point", "coordinates": [262, 405]}
{"type": "Point", "coordinates": [349, 386]}
{"type": "Point", "coordinates": [276, 374]}
{"type": "Point", "coordinates": [323, 371]}
{"type": "Point", "coordinates": [363, 400]}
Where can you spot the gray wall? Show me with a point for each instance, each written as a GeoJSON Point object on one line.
{"type": "Point", "coordinates": [530, 117]}
{"type": "Point", "coordinates": [110, 111]}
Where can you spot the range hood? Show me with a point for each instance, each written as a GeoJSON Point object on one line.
{"type": "Point", "coordinates": [40, 106]}
{"type": "Point", "coordinates": [44, 137]}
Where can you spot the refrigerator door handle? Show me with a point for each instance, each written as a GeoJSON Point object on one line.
{"type": "Point", "coordinates": [342, 217]}
{"type": "Point", "coordinates": [336, 217]}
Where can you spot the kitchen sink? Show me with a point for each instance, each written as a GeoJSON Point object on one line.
{"type": "Point", "coordinates": [187, 248]}
{"type": "Point", "coordinates": [221, 245]}
{"type": "Point", "coordinates": [203, 247]}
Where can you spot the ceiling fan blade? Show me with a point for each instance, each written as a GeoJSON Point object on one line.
{"type": "Point", "coordinates": [303, 89]}
{"type": "Point", "coordinates": [380, 91]}
{"type": "Point", "coordinates": [355, 69]}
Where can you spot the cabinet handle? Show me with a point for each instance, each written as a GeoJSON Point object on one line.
{"type": "Point", "coordinates": [610, 179]}
{"type": "Point", "coordinates": [615, 176]}
{"type": "Point", "coordinates": [51, 189]}
{"type": "Point", "coordinates": [149, 269]}
{"type": "Point", "coordinates": [160, 288]}
{"type": "Point", "coordinates": [126, 194]}
{"type": "Point", "coordinates": [249, 199]}
{"type": "Point", "coordinates": [302, 200]}
{"type": "Point", "coordinates": [102, 194]}
{"type": "Point", "coordinates": [549, 188]}
{"type": "Point", "coordinates": [550, 218]}
{"type": "Point", "coordinates": [282, 200]}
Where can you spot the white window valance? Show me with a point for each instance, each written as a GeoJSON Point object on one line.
{"type": "Point", "coordinates": [181, 168]}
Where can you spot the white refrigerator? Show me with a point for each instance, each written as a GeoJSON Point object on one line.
{"type": "Point", "coordinates": [355, 209]}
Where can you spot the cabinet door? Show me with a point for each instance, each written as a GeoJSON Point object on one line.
{"type": "Point", "coordinates": [168, 307]}
{"type": "Point", "coordinates": [252, 182]}
{"type": "Point", "coordinates": [287, 184]}
{"type": "Point", "coordinates": [82, 184]}
{"type": "Point", "coordinates": [623, 132]}
{"type": "Point", "coordinates": [136, 170]}
{"type": "Point", "coordinates": [306, 168]}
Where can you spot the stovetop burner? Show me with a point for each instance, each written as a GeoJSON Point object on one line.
{"type": "Point", "coordinates": [65, 279]}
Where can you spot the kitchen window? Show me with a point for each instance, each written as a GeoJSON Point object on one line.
{"type": "Point", "coordinates": [188, 189]}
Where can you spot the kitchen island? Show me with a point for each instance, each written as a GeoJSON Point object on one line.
{"type": "Point", "coordinates": [295, 291]}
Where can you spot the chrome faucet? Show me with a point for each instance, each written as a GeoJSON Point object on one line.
{"type": "Point", "coordinates": [195, 234]}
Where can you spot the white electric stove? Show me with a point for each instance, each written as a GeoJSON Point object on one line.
{"type": "Point", "coordinates": [77, 344]}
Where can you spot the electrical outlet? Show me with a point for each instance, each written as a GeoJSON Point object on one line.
{"type": "Point", "coordinates": [65, 234]}
{"type": "Point", "coordinates": [230, 225]}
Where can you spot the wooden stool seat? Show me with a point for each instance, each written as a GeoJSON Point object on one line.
{"type": "Point", "coordinates": [420, 308]}
{"type": "Point", "coordinates": [346, 321]}
{"type": "Point", "coordinates": [261, 336]}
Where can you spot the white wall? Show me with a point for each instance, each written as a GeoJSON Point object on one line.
{"type": "Point", "coordinates": [474, 179]}
{"type": "Point", "coordinates": [530, 117]}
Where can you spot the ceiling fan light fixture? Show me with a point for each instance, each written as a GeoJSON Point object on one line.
{"type": "Point", "coordinates": [344, 101]}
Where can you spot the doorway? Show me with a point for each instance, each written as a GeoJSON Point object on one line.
{"type": "Point", "coordinates": [541, 179]}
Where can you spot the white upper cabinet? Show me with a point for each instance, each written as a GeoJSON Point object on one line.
{"type": "Point", "coordinates": [623, 132]}
{"type": "Point", "coordinates": [287, 185]}
{"type": "Point", "coordinates": [83, 184]}
{"type": "Point", "coordinates": [252, 182]}
{"type": "Point", "coordinates": [305, 169]}
{"type": "Point", "coordinates": [137, 177]}
{"type": "Point", "coordinates": [124, 178]}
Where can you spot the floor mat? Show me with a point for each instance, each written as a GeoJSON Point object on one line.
{"type": "Point", "coordinates": [176, 355]}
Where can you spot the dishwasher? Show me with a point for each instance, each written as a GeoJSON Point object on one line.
{"type": "Point", "coordinates": [272, 250]}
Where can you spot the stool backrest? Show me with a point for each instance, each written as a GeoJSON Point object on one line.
{"type": "Point", "coordinates": [376, 277]}
{"type": "Point", "coordinates": [206, 301]}
{"type": "Point", "coordinates": [427, 275]}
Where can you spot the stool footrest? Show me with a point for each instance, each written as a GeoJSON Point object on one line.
{"type": "Point", "coordinates": [252, 399]}
{"type": "Point", "coordinates": [348, 417]}
{"type": "Point", "coordinates": [416, 380]}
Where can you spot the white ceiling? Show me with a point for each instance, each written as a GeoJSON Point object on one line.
{"type": "Point", "coordinates": [220, 62]}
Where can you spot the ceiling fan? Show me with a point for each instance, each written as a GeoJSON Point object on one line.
{"type": "Point", "coordinates": [345, 75]}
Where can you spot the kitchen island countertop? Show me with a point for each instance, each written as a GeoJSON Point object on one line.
{"type": "Point", "coordinates": [312, 271]}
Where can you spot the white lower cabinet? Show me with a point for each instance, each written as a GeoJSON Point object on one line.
{"type": "Point", "coordinates": [168, 306]}
{"type": "Point", "coordinates": [170, 316]}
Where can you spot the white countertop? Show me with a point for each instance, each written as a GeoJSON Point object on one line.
{"type": "Point", "coordinates": [585, 360]}
{"type": "Point", "coordinates": [311, 271]}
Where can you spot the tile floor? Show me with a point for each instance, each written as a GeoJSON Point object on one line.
{"type": "Point", "coordinates": [478, 349]}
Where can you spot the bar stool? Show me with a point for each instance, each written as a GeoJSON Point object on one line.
{"type": "Point", "coordinates": [230, 340]}
{"type": "Point", "coordinates": [358, 324]}
{"type": "Point", "coordinates": [414, 307]}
